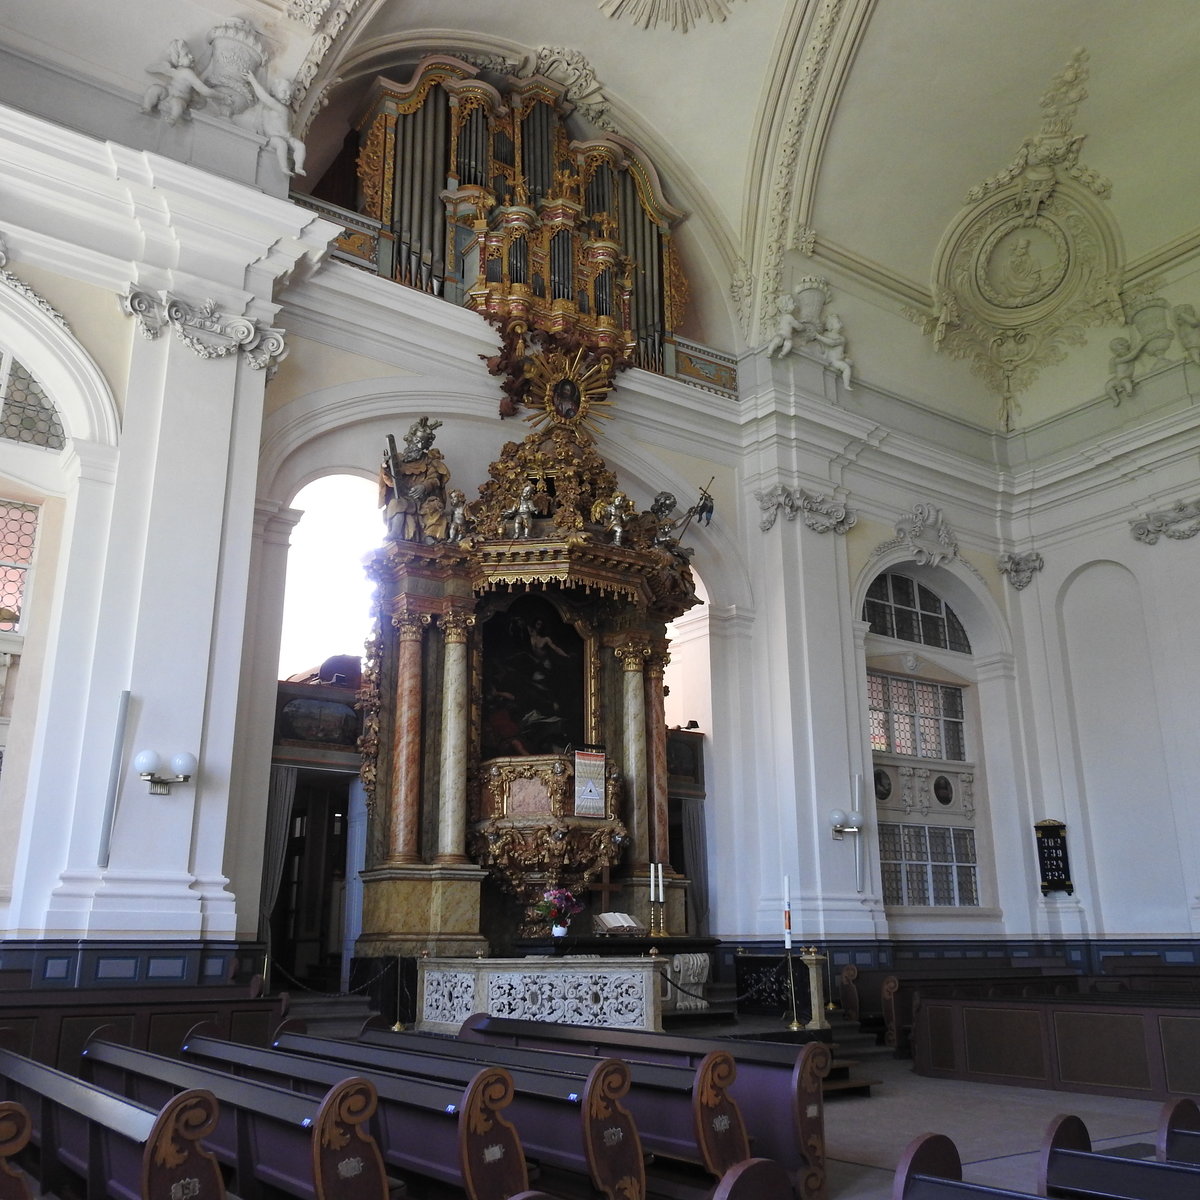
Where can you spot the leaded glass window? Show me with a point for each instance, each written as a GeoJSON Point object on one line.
{"type": "Point", "coordinates": [928, 865]}
{"type": "Point", "coordinates": [26, 412]}
{"type": "Point", "coordinates": [899, 607]}
{"type": "Point", "coordinates": [915, 718]}
{"type": "Point", "coordinates": [18, 535]}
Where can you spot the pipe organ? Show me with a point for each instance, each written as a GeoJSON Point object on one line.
{"type": "Point", "coordinates": [484, 197]}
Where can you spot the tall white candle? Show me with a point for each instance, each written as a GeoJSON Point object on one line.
{"type": "Point", "coordinates": [662, 896]}
{"type": "Point", "coordinates": [787, 913]}
{"type": "Point", "coordinates": [652, 896]}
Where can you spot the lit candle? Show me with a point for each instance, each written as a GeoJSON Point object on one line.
{"type": "Point", "coordinates": [787, 913]}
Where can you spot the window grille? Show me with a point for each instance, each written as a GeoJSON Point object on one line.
{"type": "Point", "coordinates": [928, 865]}
{"type": "Point", "coordinates": [18, 535]}
{"type": "Point", "coordinates": [914, 718]}
{"type": "Point", "coordinates": [898, 607]}
{"type": "Point", "coordinates": [26, 412]}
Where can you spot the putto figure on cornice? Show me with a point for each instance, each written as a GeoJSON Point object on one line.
{"type": "Point", "coordinates": [803, 323]}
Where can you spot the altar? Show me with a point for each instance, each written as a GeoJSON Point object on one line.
{"type": "Point", "coordinates": [610, 992]}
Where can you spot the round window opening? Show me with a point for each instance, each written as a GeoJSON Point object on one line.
{"type": "Point", "coordinates": [943, 790]}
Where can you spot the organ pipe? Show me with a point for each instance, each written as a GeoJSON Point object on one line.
{"type": "Point", "coordinates": [577, 228]}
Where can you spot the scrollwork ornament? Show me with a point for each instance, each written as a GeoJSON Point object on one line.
{"type": "Point", "coordinates": [633, 655]}
{"type": "Point", "coordinates": [819, 513]}
{"type": "Point", "coordinates": [1179, 523]}
{"type": "Point", "coordinates": [926, 535]}
{"type": "Point", "coordinates": [147, 309]}
{"type": "Point", "coordinates": [1020, 568]}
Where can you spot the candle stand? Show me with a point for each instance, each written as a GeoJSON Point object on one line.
{"type": "Point", "coordinates": [794, 1024]}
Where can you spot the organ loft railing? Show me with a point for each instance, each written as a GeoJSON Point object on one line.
{"type": "Point", "coordinates": [477, 192]}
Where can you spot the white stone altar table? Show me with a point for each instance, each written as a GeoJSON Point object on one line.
{"type": "Point", "coordinates": [615, 993]}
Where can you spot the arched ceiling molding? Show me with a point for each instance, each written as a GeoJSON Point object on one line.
{"type": "Point", "coordinates": [62, 366]}
{"type": "Point", "coordinates": [350, 61]}
{"type": "Point", "coordinates": [811, 68]}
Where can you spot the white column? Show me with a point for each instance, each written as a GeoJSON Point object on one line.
{"type": "Point", "coordinates": [250, 772]}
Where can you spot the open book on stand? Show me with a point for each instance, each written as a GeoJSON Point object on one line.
{"type": "Point", "coordinates": [615, 922]}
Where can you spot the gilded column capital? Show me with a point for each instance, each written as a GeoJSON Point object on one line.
{"type": "Point", "coordinates": [633, 655]}
{"type": "Point", "coordinates": [411, 626]}
{"type": "Point", "coordinates": [656, 662]}
{"type": "Point", "coordinates": [455, 625]}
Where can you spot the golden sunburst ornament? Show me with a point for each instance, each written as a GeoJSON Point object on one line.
{"type": "Point", "coordinates": [564, 390]}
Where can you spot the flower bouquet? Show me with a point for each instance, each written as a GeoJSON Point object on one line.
{"type": "Point", "coordinates": [558, 906]}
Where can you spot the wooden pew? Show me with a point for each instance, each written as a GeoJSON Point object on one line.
{"type": "Point", "coordinates": [112, 1146]}
{"type": "Point", "coordinates": [1179, 1132]}
{"type": "Point", "coordinates": [584, 1133]}
{"type": "Point", "coordinates": [682, 1114]}
{"type": "Point", "coordinates": [777, 1087]}
{"type": "Point", "coordinates": [1069, 1167]}
{"type": "Point", "coordinates": [930, 1169]}
{"type": "Point", "coordinates": [15, 1131]}
{"type": "Point", "coordinates": [269, 1137]}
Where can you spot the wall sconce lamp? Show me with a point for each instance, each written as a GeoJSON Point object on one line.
{"type": "Point", "coordinates": [851, 823]}
{"type": "Point", "coordinates": [148, 763]}
{"type": "Point", "coordinates": [844, 824]}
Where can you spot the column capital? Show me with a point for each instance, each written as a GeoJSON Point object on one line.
{"type": "Point", "coordinates": [633, 654]}
{"type": "Point", "coordinates": [411, 626]}
{"type": "Point", "coordinates": [455, 624]}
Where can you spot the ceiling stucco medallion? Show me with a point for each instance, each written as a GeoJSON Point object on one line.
{"type": "Point", "coordinates": [679, 14]}
{"type": "Point", "coordinates": [1032, 260]}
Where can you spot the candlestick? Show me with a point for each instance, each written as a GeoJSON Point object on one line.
{"type": "Point", "coordinates": [787, 913]}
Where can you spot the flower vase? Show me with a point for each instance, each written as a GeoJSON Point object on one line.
{"type": "Point", "coordinates": [558, 930]}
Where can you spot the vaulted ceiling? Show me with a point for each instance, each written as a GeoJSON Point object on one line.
{"type": "Point", "coordinates": [831, 137]}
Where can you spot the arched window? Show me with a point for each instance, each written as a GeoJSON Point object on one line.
{"type": "Point", "coordinates": [923, 726]}
{"type": "Point", "coordinates": [899, 607]}
{"type": "Point", "coordinates": [26, 412]}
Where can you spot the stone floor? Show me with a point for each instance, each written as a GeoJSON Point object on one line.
{"type": "Point", "coordinates": [998, 1129]}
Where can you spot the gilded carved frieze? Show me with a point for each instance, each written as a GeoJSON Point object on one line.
{"type": "Point", "coordinates": [1032, 260]}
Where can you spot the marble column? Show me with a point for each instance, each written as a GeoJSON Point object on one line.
{"type": "Point", "coordinates": [405, 800]}
{"type": "Point", "coordinates": [452, 810]}
{"type": "Point", "coordinates": [633, 656]}
{"type": "Point", "coordinates": [656, 737]}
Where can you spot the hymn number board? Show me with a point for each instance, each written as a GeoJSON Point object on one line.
{"type": "Point", "coordinates": [1053, 864]}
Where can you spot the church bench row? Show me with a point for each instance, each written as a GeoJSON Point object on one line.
{"type": "Point", "coordinates": [585, 1131]}
{"type": "Point", "coordinates": [51, 1025]}
{"type": "Point", "coordinates": [82, 1139]}
{"type": "Point", "coordinates": [683, 1115]}
{"type": "Point", "coordinates": [269, 1138]}
{"type": "Point", "coordinates": [777, 1087]}
{"type": "Point", "coordinates": [931, 1169]}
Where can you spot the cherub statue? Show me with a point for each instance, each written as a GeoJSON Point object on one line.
{"type": "Point", "coordinates": [613, 514]}
{"type": "Point", "coordinates": [460, 519]}
{"type": "Point", "coordinates": [523, 513]}
{"type": "Point", "coordinates": [781, 344]}
{"type": "Point", "coordinates": [834, 341]}
{"type": "Point", "coordinates": [178, 84]}
{"type": "Point", "coordinates": [1120, 383]}
{"type": "Point", "coordinates": [275, 119]}
{"type": "Point", "coordinates": [1188, 326]}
